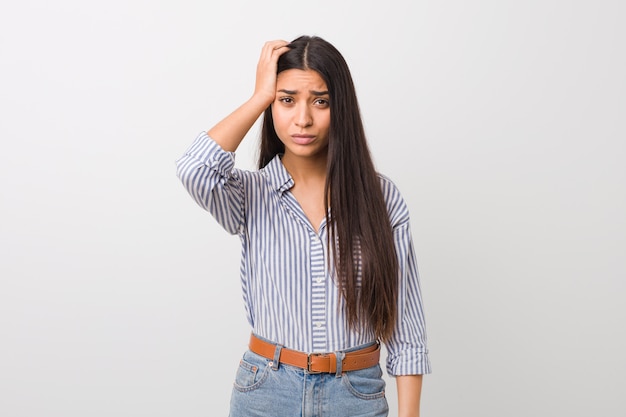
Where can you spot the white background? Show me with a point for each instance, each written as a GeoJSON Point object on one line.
{"type": "Point", "coordinates": [503, 124]}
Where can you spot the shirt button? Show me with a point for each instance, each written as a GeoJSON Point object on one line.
{"type": "Point", "coordinates": [318, 324]}
{"type": "Point", "coordinates": [319, 280]}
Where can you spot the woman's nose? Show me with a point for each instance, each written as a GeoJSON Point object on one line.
{"type": "Point", "coordinates": [303, 116]}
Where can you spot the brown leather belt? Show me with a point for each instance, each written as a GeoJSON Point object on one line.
{"type": "Point", "coordinates": [318, 362]}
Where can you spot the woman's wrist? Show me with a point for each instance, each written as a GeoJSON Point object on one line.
{"type": "Point", "coordinates": [261, 100]}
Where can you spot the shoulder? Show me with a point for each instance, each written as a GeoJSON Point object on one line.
{"type": "Point", "coordinates": [396, 205]}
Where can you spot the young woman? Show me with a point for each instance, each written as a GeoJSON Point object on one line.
{"type": "Point", "coordinates": [328, 268]}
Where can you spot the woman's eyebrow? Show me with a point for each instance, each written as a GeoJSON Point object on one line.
{"type": "Point", "coordinates": [294, 92]}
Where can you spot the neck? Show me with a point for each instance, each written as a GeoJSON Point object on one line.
{"type": "Point", "coordinates": [305, 169]}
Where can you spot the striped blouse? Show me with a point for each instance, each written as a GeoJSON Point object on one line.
{"type": "Point", "coordinates": [288, 289]}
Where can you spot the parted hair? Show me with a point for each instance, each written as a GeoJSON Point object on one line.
{"type": "Point", "coordinates": [360, 234]}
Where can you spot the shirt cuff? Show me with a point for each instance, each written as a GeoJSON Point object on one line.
{"type": "Point", "coordinates": [408, 363]}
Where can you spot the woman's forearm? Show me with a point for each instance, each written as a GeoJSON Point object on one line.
{"type": "Point", "coordinates": [409, 393]}
{"type": "Point", "coordinates": [229, 132]}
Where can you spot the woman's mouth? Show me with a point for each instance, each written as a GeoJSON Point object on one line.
{"type": "Point", "coordinates": [301, 139]}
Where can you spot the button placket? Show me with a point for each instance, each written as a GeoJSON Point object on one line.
{"type": "Point", "coordinates": [318, 292]}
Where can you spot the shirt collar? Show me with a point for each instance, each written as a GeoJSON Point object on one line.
{"type": "Point", "coordinates": [278, 175]}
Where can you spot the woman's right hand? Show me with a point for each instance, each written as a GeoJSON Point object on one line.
{"type": "Point", "coordinates": [265, 87]}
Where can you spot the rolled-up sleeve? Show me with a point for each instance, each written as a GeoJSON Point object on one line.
{"type": "Point", "coordinates": [407, 347]}
{"type": "Point", "coordinates": [209, 175]}
{"type": "Point", "coordinates": [408, 352]}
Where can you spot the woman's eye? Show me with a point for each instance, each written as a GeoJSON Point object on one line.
{"type": "Point", "coordinates": [321, 102]}
{"type": "Point", "coordinates": [287, 100]}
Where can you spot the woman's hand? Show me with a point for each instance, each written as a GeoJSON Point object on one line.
{"type": "Point", "coordinates": [265, 88]}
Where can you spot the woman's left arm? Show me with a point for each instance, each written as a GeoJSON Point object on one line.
{"type": "Point", "coordinates": [409, 393]}
{"type": "Point", "coordinates": [407, 358]}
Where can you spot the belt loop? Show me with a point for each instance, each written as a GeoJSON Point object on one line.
{"type": "Point", "coordinates": [339, 359]}
{"type": "Point", "coordinates": [276, 360]}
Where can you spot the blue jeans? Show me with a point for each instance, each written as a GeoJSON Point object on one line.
{"type": "Point", "coordinates": [260, 390]}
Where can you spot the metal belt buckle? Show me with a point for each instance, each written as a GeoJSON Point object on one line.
{"type": "Point", "coordinates": [308, 363]}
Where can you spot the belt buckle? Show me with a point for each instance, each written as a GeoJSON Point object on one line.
{"type": "Point", "coordinates": [308, 364]}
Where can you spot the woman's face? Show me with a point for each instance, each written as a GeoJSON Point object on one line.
{"type": "Point", "coordinates": [301, 113]}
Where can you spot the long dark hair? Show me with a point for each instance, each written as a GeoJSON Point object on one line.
{"type": "Point", "coordinates": [360, 235]}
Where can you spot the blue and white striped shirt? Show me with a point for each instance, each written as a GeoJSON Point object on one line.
{"type": "Point", "coordinates": [289, 292]}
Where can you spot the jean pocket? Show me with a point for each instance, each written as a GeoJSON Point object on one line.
{"type": "Point", "coordinates": [252, 372]}
{"type": "Point", "coordinates": [366, 384]}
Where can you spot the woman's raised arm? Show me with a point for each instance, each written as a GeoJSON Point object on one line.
{"type": "Point", "coordinates": [229, 132]}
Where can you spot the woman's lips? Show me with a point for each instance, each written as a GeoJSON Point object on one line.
{"type": "Point", "coordinates": [303, 139]}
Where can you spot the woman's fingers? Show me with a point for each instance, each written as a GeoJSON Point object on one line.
{"type": "Point", "coordinates": [271, 46]}
{"type": "Point", "coordinates": [272, 51]}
